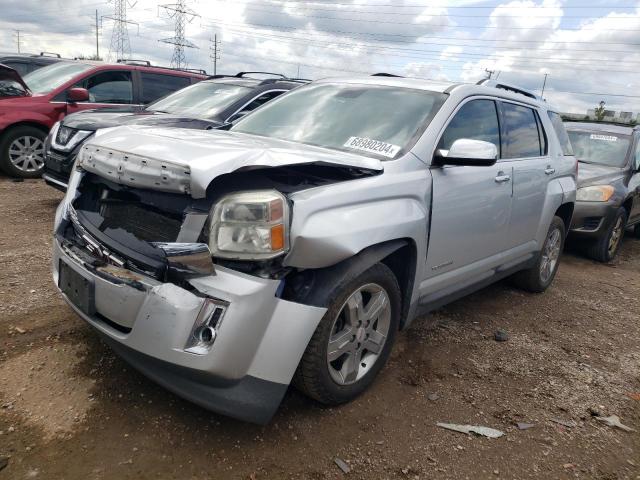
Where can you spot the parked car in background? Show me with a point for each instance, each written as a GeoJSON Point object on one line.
{"type": "Point", "coordinates": [50, 93]}
{"type": "Point", "coordinates": [224, 264]}
{"type": "Point", "coordinates": [205, 105]}
{"type": "Point", "coordinates": [24, 63]}
{"type": "Point", "coordinates": [608, 199]}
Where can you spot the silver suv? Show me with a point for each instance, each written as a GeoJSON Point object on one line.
{"type": "Point", "coordinates": [227, 264]}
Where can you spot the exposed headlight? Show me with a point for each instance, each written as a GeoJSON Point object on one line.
{"type": "Point", "coordinates": [66, 139]}
{"type": "Point", "coordinates": [250, 226]}
{"type": "Point", "coordinates": [596, 193]}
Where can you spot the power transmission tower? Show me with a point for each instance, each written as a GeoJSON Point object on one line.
{"type": "Point", "coordinates": [181, 15]}
{"type": "Point", "coordinates": [120, 45]}
{"type": "Point", "coordinates": [489, 73]}
{"type": "Point", "coordinates": [17, 35]}
{"type": "Point", "coordinates": [214, 52]}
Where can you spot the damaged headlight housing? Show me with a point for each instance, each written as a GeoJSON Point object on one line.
{"type": "Point", "coordinates": [596, 193]}
{"type": "Point", "coordinates": [250, 226]}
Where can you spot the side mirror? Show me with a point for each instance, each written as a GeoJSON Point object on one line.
{"type": "Point", "coordinates": [465, 151]}
{"type": "Point", "coordinates": [76, 94]}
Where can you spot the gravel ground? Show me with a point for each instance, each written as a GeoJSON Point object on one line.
{"type": "Point", "coordinates": [72, 410]}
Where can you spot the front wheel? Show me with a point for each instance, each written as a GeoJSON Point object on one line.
{"type": "Point", "coordinates": [354, 338]}
{"type": "Point", "coordinates": [22, 152]}
{"type": "Point", "coordinates": [538, 278]}
{"type": "Point", "coordinates": [606, 247]}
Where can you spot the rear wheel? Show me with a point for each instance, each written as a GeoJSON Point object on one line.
{"type": "Point", "coordinates": [22, 152]}
{"type": "Point", "coordinates": [354, 338]}
{"type": "Point", "coordinates": [538, 278]}
{"type": "Point", "coordinates": [606, 247]}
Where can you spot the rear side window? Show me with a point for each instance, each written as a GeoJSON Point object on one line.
{"type": "Point", "coordinates": [561, 133]}
{"type": "Point", "coordinates": [156, 85]}
{"type": "Point", "coordinates": [476, 120]}
{"type": "Point", "coordinates": [521, 138]}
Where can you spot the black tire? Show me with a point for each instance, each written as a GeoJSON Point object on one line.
{"type": "Point", "coordinates": [313, 376]}
{"type": "Point", "coordinates": [13, 135]}
{"type": "Point", "coordinates": [601, 249]}
{"type": "Point", "coordinates": [532, 279]}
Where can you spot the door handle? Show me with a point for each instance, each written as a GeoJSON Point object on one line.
{"type": "Point", "coordinates": [549, 170]}
{"type": "Point", "coordinates": [502, 178]}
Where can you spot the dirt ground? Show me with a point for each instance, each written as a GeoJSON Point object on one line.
{"type": "Point", "coordinates": [72, 410]}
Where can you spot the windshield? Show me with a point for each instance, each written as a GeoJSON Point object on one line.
{"type": "Point", "coordinates": [602, 148]}
{"type": "Point", "coordinates": [378, 121]}
{"type": "Point", "coordinates": [47, 79]}
{"type": "Point", "coordinates": [202, 100]}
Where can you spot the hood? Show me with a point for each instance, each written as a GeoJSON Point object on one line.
{"type": "Point", "coordinates": [593, 174]}
{"type": "Point", "coordinates": [186, 161]}
{"type": "Point", "coordinates": [92, 120]}
{"type": "Point", "coordinates": [6, 90]}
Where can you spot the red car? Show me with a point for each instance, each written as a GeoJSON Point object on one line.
{"type": "Point", "coordinates": [30, 106]}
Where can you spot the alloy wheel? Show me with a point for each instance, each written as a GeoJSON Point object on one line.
{"type": "Point", "coordinates": [550, 255]}
{"type": "Point", "coordinates": [359, 334]}
{"type": "Point", "coordinates": [27, 153]}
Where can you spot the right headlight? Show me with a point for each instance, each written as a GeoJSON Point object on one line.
{"type": "Point", "coordinates": [596, 193]}
{"type": "Point", "coordinates": [250, 226]}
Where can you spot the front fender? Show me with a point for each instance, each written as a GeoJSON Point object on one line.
{"type": "Point", "coordinates": [333, 223]}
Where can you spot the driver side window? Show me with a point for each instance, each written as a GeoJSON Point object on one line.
{"type": "Point", "coordinates": [476, 120]}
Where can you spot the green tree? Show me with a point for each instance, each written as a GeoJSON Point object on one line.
{"type": "Point", "coordinates": [599, 112]}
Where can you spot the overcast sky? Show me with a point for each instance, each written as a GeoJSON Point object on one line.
{"type": "Point", "coordinates": [591, 47]}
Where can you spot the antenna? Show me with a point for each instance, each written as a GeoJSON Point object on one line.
{"type": "Point", "coordinates": [120, 46]}
{"type": "Point", "coordinates": [181, 14]}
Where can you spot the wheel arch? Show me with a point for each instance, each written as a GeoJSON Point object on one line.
{"type": "Point", "coordinates": [314, 286]}
{"type": "Point", "coordinates": [628, 205]}
{"type": "Point", "coordinates": [565, 212]}
{"type": "Point", "coordinates": [31, 123]}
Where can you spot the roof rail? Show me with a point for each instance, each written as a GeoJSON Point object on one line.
{"type": "Point", "coordinates": [48, 54]}
{"type": "Point", "coordinates": [133, 61]}
{"type": "Point", "coordinates": [243, 74]}
{"type": "Point", "coordinates": [487, 82]}
{"type": "Point", "coordinates": [194, 70]}
{"type": "Point", "coordinates": [384, 74]}
{"type": "Point", "coordinates": [285, 79]}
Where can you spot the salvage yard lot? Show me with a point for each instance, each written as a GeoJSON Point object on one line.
{"type": "Point", "coordinates": [72, 410]}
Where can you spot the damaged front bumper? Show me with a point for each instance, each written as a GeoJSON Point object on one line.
{"type": "Point", "coordinates": [242, 372]}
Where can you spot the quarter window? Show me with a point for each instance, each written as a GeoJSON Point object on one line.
{"type": "Point", "coordinates": [561, 133]}
{"type": "Point", "coordinates": [109, 87]}
{"type": "Point", "coordinates": [156, 85]}
{"type": "Point", "coordinates": [476, 120]}
{"type": "Point", "coordinates": [521, 138]}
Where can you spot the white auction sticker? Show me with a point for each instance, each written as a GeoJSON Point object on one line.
{"type": "Point", "coordinates": [372, 146]}
{"type": "Point", "coordinates": [607, 138]}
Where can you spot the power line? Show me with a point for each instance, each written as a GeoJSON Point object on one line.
{"type": "Point", "coordinates": [418, 53]}
{"type": "Point", "coordinates": [181, 15]}
{"type": "Point", "coordinates": [399, 35]}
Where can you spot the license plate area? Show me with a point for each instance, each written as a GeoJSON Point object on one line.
{"type": "Point", "coordinates": [79, 290]}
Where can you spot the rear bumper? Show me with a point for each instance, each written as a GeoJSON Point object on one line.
{"type": "Point", "coordinates": [258, 345]}
{"type": "Point", "coordinates": [592, 219]}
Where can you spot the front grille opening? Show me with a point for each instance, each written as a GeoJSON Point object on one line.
{"type": "Point", "coordinates": [120, 211]}
{"type": "Point", "coordinates": [111, 323]}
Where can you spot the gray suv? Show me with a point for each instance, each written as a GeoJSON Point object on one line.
{"type": "Point", "coordinates": [227, 264]}
{"type": "Point", "coordinates": [608, 197]}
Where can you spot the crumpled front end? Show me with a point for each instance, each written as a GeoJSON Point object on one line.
{"type": "Point", "coordinates": [130, 262]}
